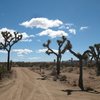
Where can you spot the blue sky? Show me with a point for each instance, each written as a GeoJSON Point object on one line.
{"type": "Point", "coordinates": [40, 20]}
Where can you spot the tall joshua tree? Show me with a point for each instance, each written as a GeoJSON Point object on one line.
{"type": "Point", "coordinates": [58, 54]}
{"type": "Point", "coordinates": [9, 41]}
{"type": "Point", "coordinates": [81, 57]}
{"type": "Point", "coordinates": [94, 52]}
{"type": "Point", "coordinates": [1, 47]}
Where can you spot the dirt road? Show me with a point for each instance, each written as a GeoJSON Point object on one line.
{"type": "Point", "coordinates": [28, 86]}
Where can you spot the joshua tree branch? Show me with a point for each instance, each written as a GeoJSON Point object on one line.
{"type": "Point", "coordinates": [75, 54]}
{"type": "Point", "coordinates": [52, 51]}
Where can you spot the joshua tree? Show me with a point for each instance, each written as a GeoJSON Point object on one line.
{"type": "Point", "coordinates": [81, 57]}
{"type": "Point", "coordinates": [94, 52]}
{"type": "Point", "coordinates": [1, 47]}
{"type": "Point", "coordinates": [58, 54]}
{"type": "Point", "coordinates": [9, 41]}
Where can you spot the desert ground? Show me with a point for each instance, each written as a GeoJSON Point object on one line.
{"type": "Point", "coordinates": [26, 84]}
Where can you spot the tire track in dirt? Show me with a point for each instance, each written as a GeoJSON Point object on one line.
{"type": "Point", "coordinates": [25, 86]}
{"type": "Point", "coordinates": [14, 91]}
{"type": "Point", "coordinates": [18, 86]}
{"type": "Point", "coordinates": [39, 89]}
{"type": "Point", "coordinates": [28, 86]}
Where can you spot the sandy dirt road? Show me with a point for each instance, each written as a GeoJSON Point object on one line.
{"type": "Point", "coordinates": [28, 86]}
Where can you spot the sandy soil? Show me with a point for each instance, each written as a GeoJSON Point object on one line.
{"type": "Point", "coordinates": [27, 85]}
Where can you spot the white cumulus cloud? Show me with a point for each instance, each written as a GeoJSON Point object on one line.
{"type": "Point", "coordinates": [41, 51]}
{"type": "Point", "coordinates": [3, 51]}
{"type": "Point", "coordinates": [21, 52]}
{"type": "Point", "coordinates": [83, 28]}
{"type": "Point", "coordinates": [44, 50]}
{"type": "Point", "coordinates": [26, 37]}
{"type": "Point", "coordinates": [72, 30]}
{"type": "Point", "coordinates": [8, 30]}
{"type": "Point", "coordinates": [69, 24]}
{"type": "Point", "coordinates": [52, 33]}
{"type": "Point", "coordinates": [34, 58]}
{"type": "Point", "coordinates": [38, 40]}
{"type": "Point", "coordinates": [43, 23]}
{"type": "Point", "coordinates": [66, 26]}
{"type": "Point", "coordinates": [69, 27]}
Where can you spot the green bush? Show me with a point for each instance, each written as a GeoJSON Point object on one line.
{"type": "Point", "coordinates": [3, 69]}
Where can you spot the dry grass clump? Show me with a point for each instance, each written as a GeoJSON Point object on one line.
{"type": "Point", "coordinates": [69, 69]}
{"type": "Point", "coordinates": [63, 78]}
{"type": "Point", "coordinates": [55, 78]}
{"type": "Point", "coordinates": [53, 72]}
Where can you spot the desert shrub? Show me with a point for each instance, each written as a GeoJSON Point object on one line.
{"type": "Point", "coordinates": [54, 72]}
{"type": "Point", "coordinates": [55, 78]}
{"type": "Point", "coordinates": [91, 77]}
{"type": "Point", "coordinates": [2, 71]}
{"type": "Point", "coordinates": [74, 83]}
{"type": "Point", "coordinates": [77, 72]}
{"type": "Point", "coordinates": [89, 89]}
{"type": "Point", "coordinates": [63, 78]}
{"type": "Point", "coordinates": [92, 72]}
{"type": "Point", "coordinates": [42, 72]}
{"type": "Point", "coordinates": [70, 69]}
{"type": "Point", "coordinates": [91, 65]}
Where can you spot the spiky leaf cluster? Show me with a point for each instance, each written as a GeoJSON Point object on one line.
{"type": "Point", "coordinates": [60, 43]}
{"type": "Point", "coordinates": [9, 39]}
{"type": "Point", "coordinates": [94, 51]}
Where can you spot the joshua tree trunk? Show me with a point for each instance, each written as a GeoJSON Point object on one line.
{"type": "Point", "coordinates": [98, 68]}
{"type": "Point", "coordinates": [58, 65]}
{"type": "Point", "coordinates": [81, 70]}
{"type": "Point", "coordinates": [8, 61]}
{"type": "Point", "coordinates": [0, 76]}
{"type": "Point", "coordinates": [61, 50]}
{"type": "Point", "coordinates": [81, 76]}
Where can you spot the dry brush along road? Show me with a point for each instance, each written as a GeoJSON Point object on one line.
{"type": "Point", "coordinates": [27, 85]}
